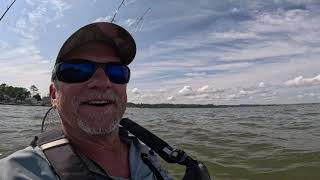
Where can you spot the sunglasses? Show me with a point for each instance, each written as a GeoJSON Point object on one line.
{"type": "Point", "coordinates": [81, 70]}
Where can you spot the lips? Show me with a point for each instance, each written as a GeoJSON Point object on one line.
{"type": "Point", "coordinates": [98, 103]}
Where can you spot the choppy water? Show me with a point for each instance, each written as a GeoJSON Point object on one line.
{"type": "Point", "coordinates": [269, 142]}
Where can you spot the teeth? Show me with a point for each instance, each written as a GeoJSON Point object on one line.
{"type": "Point", "coordinates": [98, 102]}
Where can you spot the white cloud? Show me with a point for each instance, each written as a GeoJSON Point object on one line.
{"type": "Point", "coordinates": [265, 50]}
{"type": "Point", "coordinates": [103, 19]}
{"type": "Point", "coordinates": [311, 94]}
{"type": "Point", "coordinates": [26, 67]}
{"type": "Point", "coordinates": [186, 90]}
{"type": "Point", "coordinates": [301, 81]}
{"type": "Point", "coordinates": [299, 25]}
{"type": "Point", "coordinates": [300, 96]}
{"type": "Point", "coordinates": [203, 88]}
{"type": "Point", "coordinates": [270, 46]}
{"type": "Point", "coordinates": [196, 74]}
{"type": "Point", "coordinates": [232, 35]}
{"type": "Point", "coordinates": [243, 92]}
{"type": "Point", "coordinates": [3, 44]}
{"type": "Point", "coordinates": [135, 91]}
{"type": "Point", "coordinates": [129, 22]}
{"type": "Point", "coordinates": [235, 10]}
{"type": "Point", "coordinates": [261, 84]}
{"type": "Point", "coordinates": [231, 96]}
{"type": "Point", "coordinates": [250, 59]}
{"type": "Point", "coordinates": [263, 94]}
{"type": "Point", "coordinates": [35, 20]}
{"type": "Point", "coordinates": [167, 21]}
{"type": "Point", "coordinates": [129, 2]}
{"type": "Point", "coordinates": [170, 98]}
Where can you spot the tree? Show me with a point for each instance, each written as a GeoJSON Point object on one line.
{"type": "Point", "coordinates": [21, 94]}
{"type": "Point", "coordinates": [2, 91]}
{"type": "Point", "coordinates": [33, 89]}
{"type": "Point", "coordinates": [37, 97]}
{"type": "Point", "coordinates": [17, 93]}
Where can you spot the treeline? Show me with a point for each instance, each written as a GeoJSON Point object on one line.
{"type": "Point", "coordinates": [18, 94]}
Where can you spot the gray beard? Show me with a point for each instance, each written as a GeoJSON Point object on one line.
{"type": "Point", "coordinates": [106, 129]}
{"type": "Point", "coordinates": [99, 131]}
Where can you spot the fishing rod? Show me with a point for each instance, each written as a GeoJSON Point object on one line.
{"type": "Point", "coordinates": [7, 10]}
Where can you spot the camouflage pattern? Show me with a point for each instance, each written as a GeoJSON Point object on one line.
{"type": "Point", "coordinates": [110, 33]}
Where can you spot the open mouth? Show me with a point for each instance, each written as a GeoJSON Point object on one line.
{"type": "Point", "coordinates": [98, 103]}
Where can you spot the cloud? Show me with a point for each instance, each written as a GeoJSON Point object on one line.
{"type": "Point", "coordinates": [203, 88]}
{"type": "Point", "coordinates": [186, 90]}
{"type": "Point", "coordinates": [233, 35]}
{"type": "Point", "coordinates": [35, 18]}
{"type": "Point", "coordinates": [23, 64]}
{"type": "Point", "coordinates": [244, 92]}
{"type": "Point", "coordinates": [249, 50]}
{"type": "Point", "coordinates": [196, 74]}
{"type": "Point", "coordinates": [3, 44]}
{"type": "Point", "coordinates": [261, 84]}
{"type": "Point", "coordinates": [26, 67]}
{"type": "Point", "coordinates": [301, 81]}
{"type": "Point", "coordinates": [170, 98]}
{"type": "Point", "coordinates": [103, 19]}
{"type": "Point", "coordinates": [129, 22]}
{"type": "Point", "coordinates": [265, 49]}
{"type": "Point", "coordinates": [135, 91]}
{"type": "Point", "coordinates": [245, 50]}
{"type": "Point", "coordinates": [167, 21]}
{"type": "Point", "coordinates": [235, 10]}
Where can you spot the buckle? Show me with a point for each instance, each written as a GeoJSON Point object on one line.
{"type": "Point", "coordinates": [178, 156]}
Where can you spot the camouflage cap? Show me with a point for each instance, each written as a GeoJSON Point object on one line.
{"type": "Point", "coordinates": [111, 33]}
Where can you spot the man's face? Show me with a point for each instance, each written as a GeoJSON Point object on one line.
{"type": "Point", "coordinates": [97, 105]}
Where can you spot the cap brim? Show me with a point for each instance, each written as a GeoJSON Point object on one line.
{"type": "Point", "coordinates": [102, 31]}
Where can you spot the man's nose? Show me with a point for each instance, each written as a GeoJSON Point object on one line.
{"type": "Point", "coordinates": [99, 79]}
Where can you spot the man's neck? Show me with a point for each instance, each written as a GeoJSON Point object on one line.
{"type": "Point", "coordinates": [87, 142]}
{"type": "Point", "coordinates": [107, 151]}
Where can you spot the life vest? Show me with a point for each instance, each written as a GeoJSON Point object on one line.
{"type": "Point", "coordinates": [58, 151]}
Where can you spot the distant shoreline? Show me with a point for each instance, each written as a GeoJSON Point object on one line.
{"type": "Point", "coordinates": [133, 105]}
{"type": "Point", "coordinates": [21, 104]}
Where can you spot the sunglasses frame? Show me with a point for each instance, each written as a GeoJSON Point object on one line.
{"type": "Point", "coordinates": [55, 72]}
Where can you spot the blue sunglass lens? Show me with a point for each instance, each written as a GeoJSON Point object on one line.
{"type": "Point", "coordinates": [117, 73]}
{"type": "Point", "coordinates": [75, 72]}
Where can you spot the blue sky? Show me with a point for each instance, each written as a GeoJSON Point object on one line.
{"type": "Point", "coordinates": [189, 51]}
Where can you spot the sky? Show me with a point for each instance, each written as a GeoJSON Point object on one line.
{"type": "Point", "coordinates": [188, 51]}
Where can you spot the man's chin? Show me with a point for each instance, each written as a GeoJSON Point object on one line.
{"type": "Point", "coordinates": [98, 130]}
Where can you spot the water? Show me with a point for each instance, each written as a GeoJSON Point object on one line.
{"type": "Point", "coordinates": [269, 142]}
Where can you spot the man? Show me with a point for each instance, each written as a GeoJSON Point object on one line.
{"type": "Point", "coordinates": [88, 90]}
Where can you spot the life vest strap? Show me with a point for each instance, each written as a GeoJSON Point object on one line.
{"type": "Point", "coordinates": [63, 159]}
{"type": "Point", "coordinates": [55, 143]}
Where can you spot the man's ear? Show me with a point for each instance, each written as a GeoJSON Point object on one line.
{"type": "Point", "coordinates": [52, 91]}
